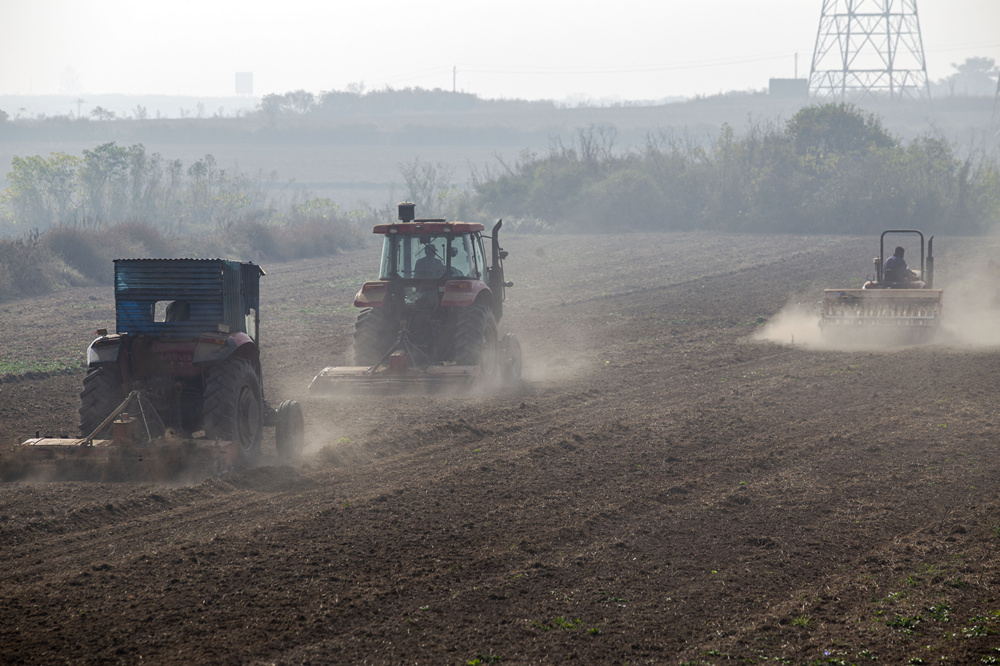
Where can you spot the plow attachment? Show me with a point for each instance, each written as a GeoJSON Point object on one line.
{"type": "Point", "coordinates": [132, 448]}
{"type": "Point", "coordinates": [917, 309]}
{"type": "Point", "coordinates": [397, 374]}
{"type": "Point", "coordinates": [395, 371]}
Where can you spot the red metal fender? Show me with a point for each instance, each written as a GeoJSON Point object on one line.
{"type": "Point", "coordinates": [460, 293]}
{"type": "Point", "coordinates": [372, 294]}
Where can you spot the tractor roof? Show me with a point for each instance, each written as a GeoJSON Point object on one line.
{"type": "Point", "coordinates": [217, 291]}
{"type": "Point", "coordinates": [428, 226]}
{"type": "Point", "coordinates": [168, 264]}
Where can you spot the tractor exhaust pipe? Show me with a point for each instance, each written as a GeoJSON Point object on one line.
{"type": "Point", "coordinates": [930, 264]}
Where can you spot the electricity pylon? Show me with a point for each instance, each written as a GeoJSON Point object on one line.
{"type": "Point", "coordinates": [869, 48]}
{"type": "Point", "coordinates": [996, 105]}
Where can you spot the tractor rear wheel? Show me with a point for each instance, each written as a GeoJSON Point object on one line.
{"type": "Point", "coordinates": [374, 334]}
{"type": "Point", "coordinates": [102, 393]}
{"type": "Point", "coordinates": [234, 407]}
{"type": "Point", "coordinates": [476, 339]}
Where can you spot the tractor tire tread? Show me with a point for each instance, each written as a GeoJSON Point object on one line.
{"type": "Point", "coordinates": [222, 388]}
{"type": "Point", "coordinates": [373, 335]}
{"type": "Point", "coordinates": [102, 392]}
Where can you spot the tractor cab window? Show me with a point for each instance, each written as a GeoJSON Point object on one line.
{"type": "Point", "coordinates": [480, 257]}
{"type": "Point", "coordinates": [427, 257]}
{"type": "Point", "coordinates": [250, 320]}
{"type": "Point", "coordinates": [171, 311]}
{"type": "Point", "coordinates": [460, 260]}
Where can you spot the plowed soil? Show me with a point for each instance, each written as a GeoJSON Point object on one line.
{"type": "Point", "coordinates": [664, 487]}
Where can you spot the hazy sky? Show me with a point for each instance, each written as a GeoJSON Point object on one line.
{"type": "Point", "coordinates": [534, 49]}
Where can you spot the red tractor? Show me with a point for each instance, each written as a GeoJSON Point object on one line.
{"type": "Point", "coordinates": [433, 314]}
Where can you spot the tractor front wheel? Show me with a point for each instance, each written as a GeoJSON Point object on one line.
{"type": "Point", "coordinates": [510, 353]}
{"type": "Point", "coordinates": [234, 407]}
{"type": "Point", "coordinates": [102, 393]}
{"type": "Point", "coordinates": [476, 339]}
{"type": "Point", "coordinates": [289, 433]}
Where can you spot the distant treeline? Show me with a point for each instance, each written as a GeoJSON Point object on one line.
{"type": "Point", "coordinates": [830, 169]}
{"type": "Point", "coordinates": [66, 217]}
{"type": "Point", "coordinates": [112, 184]}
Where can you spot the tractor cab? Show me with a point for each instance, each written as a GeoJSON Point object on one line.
{"type": "Point", "coordinates": [431, 262]}
{"type": "Point", "coordinates": [422, 256]}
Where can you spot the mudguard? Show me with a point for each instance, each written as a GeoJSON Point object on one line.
{"type": "Point", "coordinates": [461, 293]}
{"type": "Point", "coordinates": [372, 294]}
{"type": "Point", "coordinates": [213, 348]}
{"type": "Point", "coordinates": [104, 349]}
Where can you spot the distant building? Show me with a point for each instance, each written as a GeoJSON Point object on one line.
{"type": "Point", "coordinates": [244, 83]}
{"type": "Point", "coordinates": [789, 88]}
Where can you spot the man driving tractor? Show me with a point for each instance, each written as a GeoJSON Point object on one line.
{"type": "Point", "coordinates": [897, 275]}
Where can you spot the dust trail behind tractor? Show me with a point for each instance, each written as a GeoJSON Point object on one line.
{"type": "Point", "coordinates": [896, 310]}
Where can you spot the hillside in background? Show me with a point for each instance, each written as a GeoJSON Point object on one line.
{"type": "Point", "coordinates": [349, 147]}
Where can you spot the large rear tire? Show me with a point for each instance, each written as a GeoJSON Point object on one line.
{"type": "Point", "coordinates": [374, 334]}
{"type": "Point", "coordinates": [102, 393]}
{"type": "Point", "coordinates": [234, 407]}
{"type": "Point", "coordinates": [476, 339]}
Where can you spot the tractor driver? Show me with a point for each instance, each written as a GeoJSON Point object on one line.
{"type": "Point", "coordinates": [895, 272]}
{"type": "Point", "coordinates": [178, 311]}
{"type": "Point", "coordinates": [428, 266]}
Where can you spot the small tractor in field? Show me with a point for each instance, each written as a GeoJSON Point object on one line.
{"type": "Point", "coordinates": [431, 318]}
{"type": "Point", "coordinates": [180, 380]}
{"type": "Point", "coordinates": [896, 301]}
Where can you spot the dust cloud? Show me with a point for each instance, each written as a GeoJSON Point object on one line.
{"type": "Point", "coordinates": [555, 355]}
{"type": "Point", "coordinates": [971, 313]}
{"type": "Point", "coordinates": [796, 324]}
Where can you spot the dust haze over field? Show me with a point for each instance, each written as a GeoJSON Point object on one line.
{"type": "Point", "coordinates": [660, 490]}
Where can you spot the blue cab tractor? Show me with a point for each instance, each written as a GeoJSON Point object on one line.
{"type": "Point", "coordinates": [180, 377]}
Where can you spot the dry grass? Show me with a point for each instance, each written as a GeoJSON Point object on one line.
{"type": "Point", "coordinates": [40, 262]}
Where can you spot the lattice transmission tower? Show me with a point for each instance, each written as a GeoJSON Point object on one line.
{"type": "Point", "coordinates": [869, 48]}
{"type": "Point", "coordinates": [996, 107]}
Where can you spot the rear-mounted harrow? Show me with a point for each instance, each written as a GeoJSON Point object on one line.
{"type": "Point", "coordinates": [396, 371]}
{"type": "Point", "coordinates": [131, 444]}
{"type": "Point", "coordinates": [881, 307]}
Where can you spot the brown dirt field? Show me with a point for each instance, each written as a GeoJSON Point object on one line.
{"type": "Point", "coordinates": [663, 488]}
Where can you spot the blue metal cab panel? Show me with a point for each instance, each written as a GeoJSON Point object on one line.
{"type": "Point", "coordinates": [209, 289]}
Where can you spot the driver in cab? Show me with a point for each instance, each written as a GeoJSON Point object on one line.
{"type": "Point", "coordinates": [428, 267]}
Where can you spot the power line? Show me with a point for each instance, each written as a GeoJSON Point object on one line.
{"type": "Point", "coordinates": [622, 70]}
